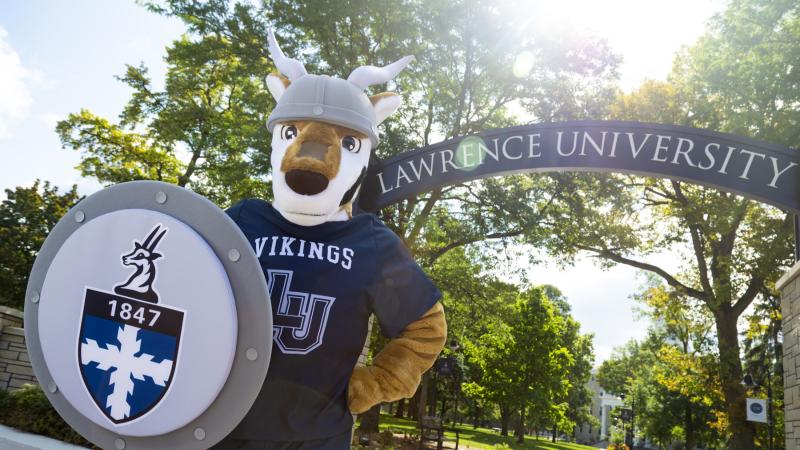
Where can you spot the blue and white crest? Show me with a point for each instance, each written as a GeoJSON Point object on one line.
{"type": "Point", "coordinates": [128, 345]}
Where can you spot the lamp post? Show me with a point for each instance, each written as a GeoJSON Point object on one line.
{"type": "Point", "coordinates": [456, 380]}
{"type": "Point", "coordinates": [445, 368]}
{"type": "Point", "coordinates": [630, 435]}
{"type": "Point", "coordinates": [633, 419]}
{"type": "Point", "coordinates": [749, 382]}
{"type": "Point", "coordinates": [797, 237]}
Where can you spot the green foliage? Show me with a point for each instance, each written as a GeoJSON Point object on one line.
{"type": "Point", "coordinates": [28, 409]}
{"type": "Point", "coordinates": [529, 361]}
{"type": "Point", "coordinates": [617, 439]}
{"type": "Point", "coordinates": [740, 77]}
{"type": "Point", "coordinates": [26, 217]}
{"type": "Point", "coordinates": [671, 378]}
{"type": "Point", "coordinates": [205, 130]}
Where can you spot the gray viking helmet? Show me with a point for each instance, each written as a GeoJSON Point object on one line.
{"type": "Point", "coordinates": [330, 99]}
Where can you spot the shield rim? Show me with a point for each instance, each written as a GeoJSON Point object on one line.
{"type": "Point", "coordinates": [250, 293]}
{"type": "Point", "coordinates": [171, 373]}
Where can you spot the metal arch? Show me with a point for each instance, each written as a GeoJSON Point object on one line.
{"type": "Point", "coordinates": [414, 172]}
{"type": "Point", "coordinates": [254, 342]}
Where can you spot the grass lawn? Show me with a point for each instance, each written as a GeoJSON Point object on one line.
{"type": "Point", "coordinates": [480, 438]}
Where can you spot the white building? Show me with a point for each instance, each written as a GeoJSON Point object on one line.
{"type": "Point", "coordinates": [602, 405]}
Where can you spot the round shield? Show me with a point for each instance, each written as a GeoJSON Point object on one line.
{"type": "Point", "coordinates": [147, 319]}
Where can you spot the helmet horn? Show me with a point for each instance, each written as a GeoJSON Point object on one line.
{"type": "Point", "coordinates": [365, 76]}
{"type": "Point", "coordinates": [291, 68]}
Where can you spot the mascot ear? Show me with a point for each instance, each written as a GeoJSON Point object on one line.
{"type": "Point", "coordinates": [385, 104]}
{"type": "Point", "coordinates": [277, 84]}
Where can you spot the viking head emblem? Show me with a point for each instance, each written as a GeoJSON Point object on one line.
{"type": "Point", "coordinates": [323, 130]}
{"type": "Point", "coordinates": [142, 259]}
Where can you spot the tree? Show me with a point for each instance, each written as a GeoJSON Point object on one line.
{"type": "Point", "coordinates": [574, 407]}
{"type": "Point", "coordinates": [524, 364]}
{"type": "Point", "coordinates": [686, 371]}
{"type": "Point", "coordinates": [674, 396]}
{"type": "Point", "coordinates": [205, 130]}
{"type": "Point", "coordinates": [27, 216]}
{"type": "Point", "coordinates": [740, 77]}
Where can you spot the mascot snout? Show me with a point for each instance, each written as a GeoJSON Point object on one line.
{"type": "Point", "coordinates": [313, 159]}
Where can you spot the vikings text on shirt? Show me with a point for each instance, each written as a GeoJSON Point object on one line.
{"type": "Point", "coordinates": [289, 246]}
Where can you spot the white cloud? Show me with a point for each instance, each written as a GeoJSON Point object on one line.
{"type": "Point", "coordinates": [15, 86]}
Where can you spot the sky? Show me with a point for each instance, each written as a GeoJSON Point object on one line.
{"type": "Point", "coordinates": [58, 57]}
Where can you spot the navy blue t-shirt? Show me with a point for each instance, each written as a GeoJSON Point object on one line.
{"type": "Point", "coordinates": [324, 283]}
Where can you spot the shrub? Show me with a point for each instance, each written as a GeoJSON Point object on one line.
{"type": "Point", "coordinates": [5, 401]}
{"type": "Point", "coordinates": [28, 409]}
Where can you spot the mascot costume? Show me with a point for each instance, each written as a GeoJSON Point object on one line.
{"type": "Point", "coordinates": [328, 270]}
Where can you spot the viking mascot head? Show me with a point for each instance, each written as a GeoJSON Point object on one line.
{"type": "Point", "coordinates": [323, 130]}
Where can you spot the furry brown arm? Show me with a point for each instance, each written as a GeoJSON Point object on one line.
{"type": "Point", "coordinates": [396, 371]}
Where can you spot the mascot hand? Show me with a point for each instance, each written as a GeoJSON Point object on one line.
{"type": "Point", "coordinates": [396, 371]}
{"type": "Point", "coordinates": [363, 390]}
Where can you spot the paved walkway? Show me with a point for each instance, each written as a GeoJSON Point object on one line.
{"type": "Point", "coordinates": [13, 439]}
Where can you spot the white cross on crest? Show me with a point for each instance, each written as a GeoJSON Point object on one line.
{"type": "Point", "coordinates": [127, 365]}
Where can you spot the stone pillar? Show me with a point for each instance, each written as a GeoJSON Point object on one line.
{"type": "Point", "coordinates": [10, 317]}
{"type": "Point", "coordinates": [789, 287]}
{"type": "Point", "coordinates": [603, 421]}
{"type": "Point", "coordinates": [362, 360]}
{"type": "Point", "coordinates": [15, 366]}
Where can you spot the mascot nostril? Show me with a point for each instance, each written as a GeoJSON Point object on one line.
{"type": "Point", "coordinates": [305, 182]}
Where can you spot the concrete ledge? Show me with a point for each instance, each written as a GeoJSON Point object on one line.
{"type": "Point", "coordinates": [13, 439]}
{"type": "Point", "coordinates": [788, 277]}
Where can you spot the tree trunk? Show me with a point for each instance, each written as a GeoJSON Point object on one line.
{"type": "Point", "coordinates": [689, 427]}
{"type": "Point", "coordinates": [401, 405]}
{"type": "Point", "coordinates": [430, 400]}
{"type": "Point", "coordinates": [413, 405]}
{"type": "Point", "coordinates": [505, 415]}
{"type": "Point", "coordinates": [370, 420]}
{"type": "Point", "coordinates": [555, 432]}
{"type": "Point", "coordinates": [520, 432]}
{"type": "Point", "coordinates": [422, 400]}
{"type": "Point", "coordinates": [476, 418]}
{"type": "Point", "coordinates": [730, 368]}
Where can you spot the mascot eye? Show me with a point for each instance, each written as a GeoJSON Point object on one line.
{"type": "Point", "coordinates": [351, 144]}
{"type": "Point", "coordinates": [289, 132]}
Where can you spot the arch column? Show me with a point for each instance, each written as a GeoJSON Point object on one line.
{"type": "Point", "coordinates": [789, 287]}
